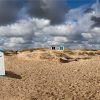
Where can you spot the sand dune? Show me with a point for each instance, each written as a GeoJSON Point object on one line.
{"type": "Point", "coordinates": [39, 75]}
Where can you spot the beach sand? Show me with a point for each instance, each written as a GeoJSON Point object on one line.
{"type": "Point", "coordinates": [49, 79]}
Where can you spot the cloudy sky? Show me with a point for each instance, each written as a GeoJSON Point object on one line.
{"type": "Point", "coordinates": [41, 23]}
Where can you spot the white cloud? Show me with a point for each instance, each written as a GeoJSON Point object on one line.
{"type": "Point", "coordinates": [87, 35]}
{"type": "Point", "coordinates": [96, 30]}
{"type": "Point", "coordinates": [60, 39]}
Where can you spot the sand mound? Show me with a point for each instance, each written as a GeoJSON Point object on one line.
{"type": "Point", "coordinates": [35, 55]}
{"type": "Point", "coordinates": [38, 55]}
{"type": "Point", "coordinates": [51, 55]}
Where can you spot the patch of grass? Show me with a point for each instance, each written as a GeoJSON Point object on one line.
{"type": "Point", "coordinates": [60, 54]}
{"type": "Point", "coordinates": [46, 56]}
{"type": "Point", "coordinates": [41, 49]}
{"type": "Point", "coordinates": [33, 49]}
{"type": "Point", "coordinates": [10, 52]}
{"type": "Point", "coordinates": [69, 51]}
{"type": "Point", "coordinates": [88, 49]}
{"type": "Point", "coordinates": [97, 52]}
{"type": "Point", "coordinates": [91, 53]}
{"type": "Point", "coordinates": [87, 53]}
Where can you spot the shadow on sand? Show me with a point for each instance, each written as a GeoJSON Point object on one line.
{"type": "Point", "coordinates": [12, 75]}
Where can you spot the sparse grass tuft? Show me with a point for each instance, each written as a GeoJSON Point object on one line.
{"type": "Point", "coordinates": [33, 49]}
{"type": "Point", "coordinates": [46, 56]}
{"type": "Point", "coordinates": [91, 53]}
{"type": "Point", "coordinates": [10, 52]}
{"type": "Point", "coordinates": [69, 51]}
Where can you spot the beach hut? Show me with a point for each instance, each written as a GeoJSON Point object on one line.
{"type": "Point", "coordinates": [61, 47]}
{"type": "Point", "coordinates": [57, 47]}
{"type": "Point", "coordinates": [2, 67]}
{"type": "Point", "coordinates": [53, 47]}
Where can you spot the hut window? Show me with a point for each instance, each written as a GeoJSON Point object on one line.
{"type": "Point", "coordinates": [61, 48]}
{"type": "Point", "coordinates": [53, 48]}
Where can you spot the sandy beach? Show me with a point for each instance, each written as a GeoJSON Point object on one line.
{"type": "Point", "coordinates": [49, 79]}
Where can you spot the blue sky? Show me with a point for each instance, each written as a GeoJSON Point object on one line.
{"type": "Point", "coordinates": [77, 3]}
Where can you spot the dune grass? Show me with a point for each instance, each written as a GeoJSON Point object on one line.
{"type": "Point", "coordinates": [69, 51]}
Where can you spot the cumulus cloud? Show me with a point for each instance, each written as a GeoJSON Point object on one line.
{"type": "Point", "coordinates": [54, 10]}
{"type": "Point", "coordinates": [86, 35]}
{"type": "Point", "coordinates": [32, 32]}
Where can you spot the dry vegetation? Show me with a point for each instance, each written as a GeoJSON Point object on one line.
{"type": "Point", "coordinates": [58, 53]}
{"type": "Point", "coordinates": [90, 52]}
{"type": "Point", "coordinates": [34, 49]}
{"type": "Point", "coordinates": [10, 52]}
{"type": "Point", "coordinates": [69, 51]}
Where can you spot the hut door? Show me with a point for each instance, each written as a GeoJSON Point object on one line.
{"type": "Point", "coordinates": [61, 48]}
{"type": "Point", "coordinates": [53, 48]}
{"type": "Point", "coordinates": [2, 68]}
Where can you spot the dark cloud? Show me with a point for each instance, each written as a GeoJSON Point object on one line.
{"type": "Point", "coordinates": [96, 21]}
{"type": "Point", "coordinates": [9, 10]}
{"type": "Point", "coordinates": [49, 9]}
{"type": "Point", "coordinates": [89, 10]}
{"type": "Point", "coordinates": [54, 10]}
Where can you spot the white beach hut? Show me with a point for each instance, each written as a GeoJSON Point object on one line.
{"type": "Point", "coordinates": [2, 67]}
{"type": "Point", "coordinates": [57, 47]}
{"type": "Point", "coordinates": [61, 48]}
